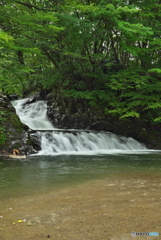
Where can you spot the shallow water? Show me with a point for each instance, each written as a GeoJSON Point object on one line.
{"type": "Point", "coordinates": [42, 173]}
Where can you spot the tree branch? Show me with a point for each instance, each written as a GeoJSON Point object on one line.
{"type": "Point", "coordinates": [33, 6]}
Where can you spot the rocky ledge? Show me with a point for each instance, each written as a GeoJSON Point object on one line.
{"type": "Point", "coordinates": [70, 113]}
{"type": "Point", "coordinates": [13, 134]}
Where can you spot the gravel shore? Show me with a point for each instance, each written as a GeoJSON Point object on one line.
{"type": "Point", "coordinates": [107, 209]}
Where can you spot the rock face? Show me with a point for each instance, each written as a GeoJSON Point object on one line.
{"type": "Point", "coordinates": [13, 134]}
{"type": "Point", "coordinates": [70, 113]}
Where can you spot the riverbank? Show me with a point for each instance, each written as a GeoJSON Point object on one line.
{"type": "Point", "coordinates": [107, 209]}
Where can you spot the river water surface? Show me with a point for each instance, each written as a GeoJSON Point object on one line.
{"type": "Point", "coordinates": [43, 173]}
{"type": "Point", "coordinates": [69, 158]}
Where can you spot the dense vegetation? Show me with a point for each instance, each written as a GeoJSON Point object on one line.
{"type": "Point", "coordinates": [105, 51]}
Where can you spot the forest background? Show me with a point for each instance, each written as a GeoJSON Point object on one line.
{"type": "Point", "coordinates": [105, 51]}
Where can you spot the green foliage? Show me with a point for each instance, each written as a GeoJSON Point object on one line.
{"type": "Point", "coordinates": [5, 39]}
{"type": "Point", "coordinates": [105, 52]}
{"type": "Point", "coordinates": [3, 133]}
{"type": "Point", "coordinates": [155, 70]}
{"type": "Point", "coordinates": [26, 34]}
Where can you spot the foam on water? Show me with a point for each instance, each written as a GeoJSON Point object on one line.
{"type": "Point", "coordinates": [34, 115]}
{"type": "Point", "coordinates": [72, 142]}
{"type": "Point", "coordinates": [56, 143]}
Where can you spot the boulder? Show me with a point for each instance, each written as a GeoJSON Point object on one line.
{"type": "Point", "coordinates": [13, 134]}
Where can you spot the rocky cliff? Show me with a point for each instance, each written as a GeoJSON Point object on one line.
{"type": "Point", "coordinates": [13, 134]}
{"type": "Point", "coordinates": [70, 113]}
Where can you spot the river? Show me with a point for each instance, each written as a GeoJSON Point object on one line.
{"type": "Point", "coordinates": [80, 185]}
{"type": "Point", "coordinates": [67, 159]}
{"type": "Point", "coordinates": [44, 173]}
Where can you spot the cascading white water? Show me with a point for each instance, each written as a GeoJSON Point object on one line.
{"type": "Point", "coordinates": [79, 142]}
{"type": "Point", "coordinates": [34, 115]}
{"type": "Point", "coordinates": [86, 143]}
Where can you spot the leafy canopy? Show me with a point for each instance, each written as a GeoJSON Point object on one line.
{"type": "Point", "coordinates": [105, 52]}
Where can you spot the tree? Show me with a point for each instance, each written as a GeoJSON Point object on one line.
{"type": "Point", "coordinates": [32, 32]}
{"type": "Point", "coordinates": [108, 53]}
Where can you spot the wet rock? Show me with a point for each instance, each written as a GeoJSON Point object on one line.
{"type": "Point", "coordinates": [14, 134]}
{"type": "Point", "coordinates": [33, 99]}
{"type": "Point", "coordinates": [13, 97]}
{"type": "Point", "coordinates": [70, 113]}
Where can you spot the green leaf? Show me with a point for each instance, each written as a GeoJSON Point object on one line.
{"type": "Point", "coordinates": [155, 70]}
{"type": "Point", "coordinates": [154, 105]}
{"type": "Point", "coordinates": [131, 114]}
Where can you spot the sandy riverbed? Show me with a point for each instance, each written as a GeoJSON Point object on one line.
{"type": "Point", "coordinates": [107, 209]}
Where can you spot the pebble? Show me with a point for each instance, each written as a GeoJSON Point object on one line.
{"type": "Point", "coordinates": [30, 223]}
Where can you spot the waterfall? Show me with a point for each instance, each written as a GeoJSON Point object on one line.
{"type": "Point", "coordinates": [55, 141]}
{"type": "Point", "coordinates": [86, 143]}
{"type": "Point", "coordinates": [34, 115]}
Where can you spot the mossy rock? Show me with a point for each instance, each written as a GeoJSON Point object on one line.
{"type": "Point", "coordinates": [13, 134]}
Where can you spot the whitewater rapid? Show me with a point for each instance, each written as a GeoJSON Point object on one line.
{"type": "Point", "coordinates": [56, 141]}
